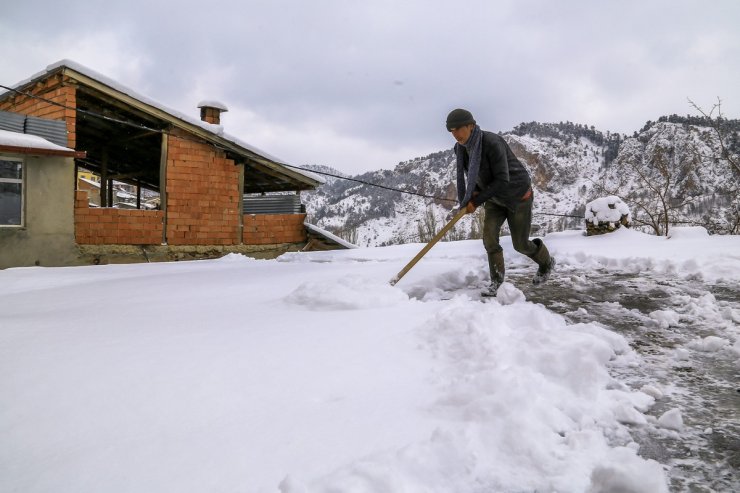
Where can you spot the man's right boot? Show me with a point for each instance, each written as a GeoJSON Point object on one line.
{"type": "Point", "coordinates": [497, 269]}
{"type": "Point", "coordinates": [545, 261]}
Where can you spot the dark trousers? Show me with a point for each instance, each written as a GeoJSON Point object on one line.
{"type": "Point", "coordinates": [520, 223]}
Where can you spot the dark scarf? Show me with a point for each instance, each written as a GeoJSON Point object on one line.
{"type": "Point", "coordinates": [474, 148]}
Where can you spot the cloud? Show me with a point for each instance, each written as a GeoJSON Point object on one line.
{"type": "Point", "coordinates": [352, 84]}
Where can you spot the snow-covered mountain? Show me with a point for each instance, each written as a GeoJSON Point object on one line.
{"type": "Point", "coordinates": [571, 164]}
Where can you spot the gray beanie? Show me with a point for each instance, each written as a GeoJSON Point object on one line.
{"type": "Point", "coordinates": [459, 118]}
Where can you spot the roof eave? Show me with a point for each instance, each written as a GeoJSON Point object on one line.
{"type": "Point", "coordinates": [36, 151]}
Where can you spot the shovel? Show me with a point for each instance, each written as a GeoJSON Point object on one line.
{"type": "Point", "coordinates": [460, 213]}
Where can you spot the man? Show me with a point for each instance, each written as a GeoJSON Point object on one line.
{"type": "Point", "coordinates": [497, 180]}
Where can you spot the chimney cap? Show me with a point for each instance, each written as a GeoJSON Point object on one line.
{"type": "Point", "coordinates": [213, 104]}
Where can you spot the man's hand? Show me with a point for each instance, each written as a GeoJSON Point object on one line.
{"type": "Point", "coordinates": [470, 208]}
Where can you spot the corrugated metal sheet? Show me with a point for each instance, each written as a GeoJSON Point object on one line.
{"type": "Point", "coordinates": [52, 130]}
{"type": "Point", "coordinates": [273, 204]}
{"type": "Point", "coordinates": [12, 122]}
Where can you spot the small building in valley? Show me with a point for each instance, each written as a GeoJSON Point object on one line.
{"type": "Point", "coordinates": [185, 178]}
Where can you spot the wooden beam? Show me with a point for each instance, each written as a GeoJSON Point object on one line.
{"type": "Point", "coordinates": [126, 176]}
{"type": "Point", "coordinates": [135, 137]}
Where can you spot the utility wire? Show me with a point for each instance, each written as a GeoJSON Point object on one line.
{"type": "Point", "coordinates": [161, 131]}
{"type": "Point", "coordinates": [85, 112]}
{"type": "Point", "coordinates": [370, 183]}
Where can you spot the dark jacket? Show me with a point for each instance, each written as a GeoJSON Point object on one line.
{"type": "Point", "coordinates": [501, 176]}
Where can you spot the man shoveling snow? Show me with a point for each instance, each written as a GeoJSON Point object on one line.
{"type": "Point", "coordinates": [499, 182]}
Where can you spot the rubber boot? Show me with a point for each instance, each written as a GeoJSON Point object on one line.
{"type": "Point", "coordinates": [545, 261]}
{"type": "Point", "coordinates": [497, 268]}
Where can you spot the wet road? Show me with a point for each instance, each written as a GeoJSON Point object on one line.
{"type": "Point", "coordinates": [704, 385]}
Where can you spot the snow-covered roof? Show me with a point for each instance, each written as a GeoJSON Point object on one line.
{"type": "Point", "coordinates": [31, 144]}
{"type": "Point", "coordinates": [216, 130]}
{"type": "Point", "coordinates": [326, 234]}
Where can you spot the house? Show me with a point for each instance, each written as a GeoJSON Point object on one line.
{"type": "Point", "coordinates": [197, 175]}
{"type": "Point", "coordinates": [36, 224]}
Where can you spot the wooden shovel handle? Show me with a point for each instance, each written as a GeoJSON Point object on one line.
{"type": "Point", "coordinates": [460, 213]}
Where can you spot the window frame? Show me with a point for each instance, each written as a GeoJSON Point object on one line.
{"type": "Point", "coordinates": [22, 182]}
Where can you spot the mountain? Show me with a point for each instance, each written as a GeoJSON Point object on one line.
{"type": "Point", "coordinates": [674, 165]}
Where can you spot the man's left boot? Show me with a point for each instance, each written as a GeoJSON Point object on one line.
{"type": "Point", "coordinates": [498, 270]}
{"type": "Point", "coordinates": [545, 261]}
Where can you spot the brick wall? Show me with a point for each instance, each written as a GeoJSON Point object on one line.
{"type": "Point", "coordinates": [262, 229]}
{"type": "Point", "coordinates": [103, 226]}
{"type": "Point", "coordinates": [203, 202]}
{"type": "Point", "coordinates": [53, 90]}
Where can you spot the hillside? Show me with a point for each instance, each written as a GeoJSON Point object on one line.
{"type": "Point", "coordinates": [570, 165]}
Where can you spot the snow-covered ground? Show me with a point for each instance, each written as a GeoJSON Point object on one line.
{"type": "Point", "coordinates": [310, 373]}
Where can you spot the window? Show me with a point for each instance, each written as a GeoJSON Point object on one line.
{"type": "Point", "coordinates": [11, 192]}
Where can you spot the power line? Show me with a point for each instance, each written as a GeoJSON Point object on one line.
{"type": "Point", "coordinates": [85, 112]}
{"type": "Point", "coordinates": [356, 180]}
{"type": "Point", "coordinates": [161, 131]}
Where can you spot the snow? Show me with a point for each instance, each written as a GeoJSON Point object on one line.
{"type": "Point", "coordinates": [15, 139]}
{"type": "Point", "coordinates": [310, 373]}
{"type": "Point", "coordinates": [323, 232]}
{"type": "Point", "coordinates": [665, 318]}
{"type": "Point", "coordinates": [607, 210]}
{"type": "Point", "coordinates": [212, 104]}
{"type": "Point", "coordinates": [672, 420]}
{"type": "Point", "coordinates": [709, 344]}
{"type": "Point", "coordinates": [632, 251]}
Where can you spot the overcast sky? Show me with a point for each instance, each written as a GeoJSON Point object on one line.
{"type": "Point", "coordinates": [363, 85]}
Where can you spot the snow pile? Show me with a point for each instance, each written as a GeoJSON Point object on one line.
{"type": "Point", "coordinates": [622, 474]}
{"type": "Point", "coordinates": [665, 318]}
{"type": "Point", "coordinates": [525, 404]}
{"type": "Point", "coordinates": [709, 344]}
{"type": "Point", "coordinates": [346, 293]}
{"type": "Point", "coordinates": [508, 294]}
{"type": "Point", "coordinates": [713, 259]}
{"type": "Point", "coordinates": [672, 420]}
{"type": "Point", "coordinates": [689, 232]}
{"type": "Point", "coordinates": [607, 210]}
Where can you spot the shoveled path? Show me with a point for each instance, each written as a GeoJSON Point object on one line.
{"type": "Point", "coordinates": [705, 386]}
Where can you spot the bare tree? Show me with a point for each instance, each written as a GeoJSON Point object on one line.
{"type": "Point", "coordinates": [427, 225]}
{"type": "Point", "coordinates": [653, 178]}
{"type": "Point", "coordinates": [722, 219]}
{"type": "Point", "coordinates": [716, 122]}
{"type": "Point", "coordinates": [348, 233]}
{"type": "Point", "coordinates": [476, 226]}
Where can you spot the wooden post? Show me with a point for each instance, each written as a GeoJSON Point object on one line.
{"type": "Point", "coordinates": [104, 179]}
{"type": "Point", "coordinates": [460, 213]}
{"type": "Point", "coordinates": [138, 194]}
{"type": "Point", "coordinates": [163, 186]}
{"type": "Point", "coordinates": [241, 204]}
